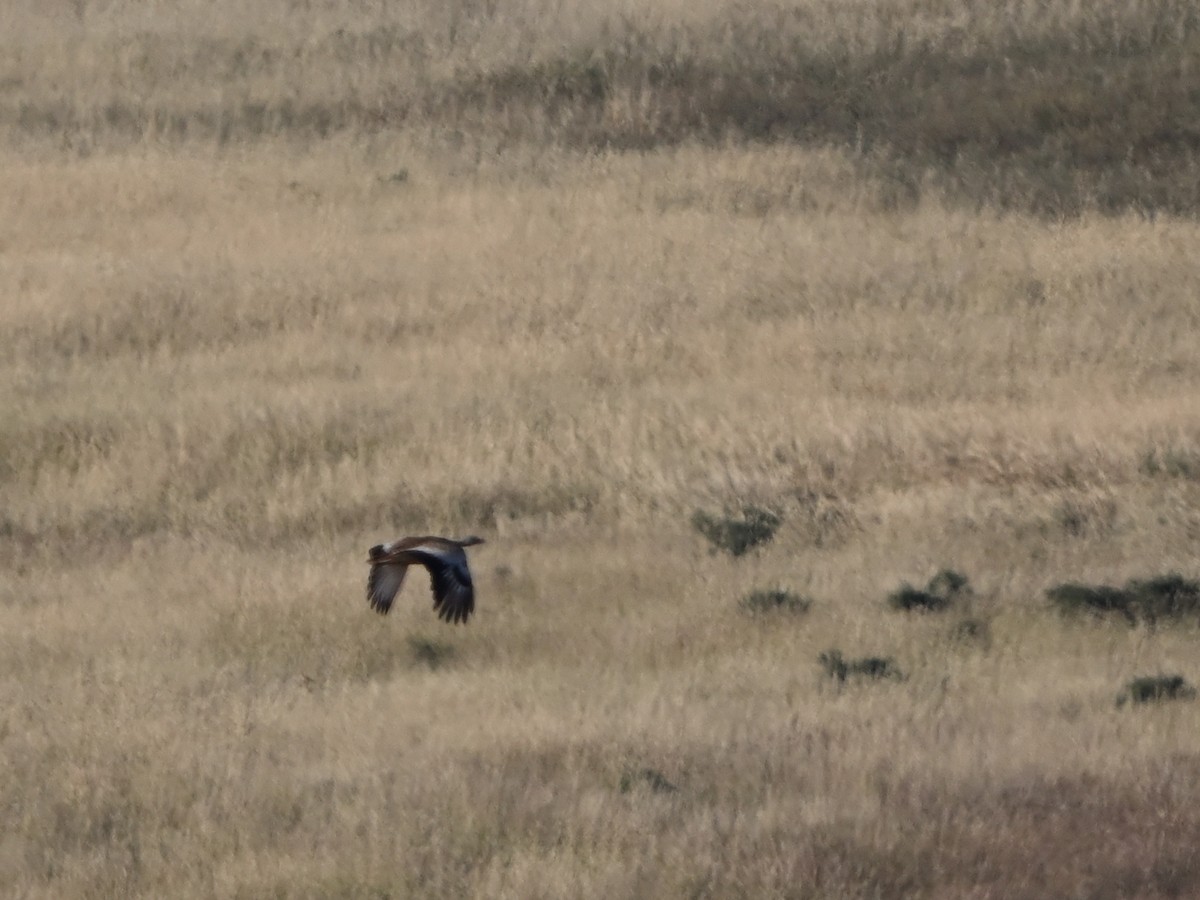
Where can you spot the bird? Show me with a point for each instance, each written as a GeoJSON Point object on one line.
{"type": "Point", "coordinates": [446, 560]}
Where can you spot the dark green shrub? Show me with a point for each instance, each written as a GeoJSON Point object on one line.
{"type": "Point", "coordinates": [433, 654]}
{"type": "Point", "coordinates": [759, 602]}
{"type": "Point", "coordinates": [907, 597]}
{"type": "Point", "coordinates": [939, 593]}
{"type": "Point", "coordinates": [653, 779]}
{"type": "Point", "coordinates": [1168, 597]}
{"type": "Point", "coordinates": [738, 536]}
{"type": "Point", "coordinates": [1087, 516]}
{"type": "Point", "coordinates": [972, 631]}
{"type": "Point", "coordinates": [1072, 598]}
{"type": "Point", "coordinates": [1173, 463]}
{"type": "Point", "coordinates": [949, 584]}
{"type": "Point", "coordinates": [1155, 688]}
{"type": "Point", "coordinates": [834, 664]}
{"type": "Point", "coordinates": [839, 668]}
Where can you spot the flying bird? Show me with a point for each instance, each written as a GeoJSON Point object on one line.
{"type": "Point", "coordinates": [446, 560]}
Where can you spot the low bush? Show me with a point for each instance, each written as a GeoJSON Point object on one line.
{"type": "Point", "coordinates": [429, 653]}
{"type": "Point", "coordinates": [738, 535]}
{"type": "Point", "coordinates": [770, 601]}
{"type": "Point", "coordinates": [652, 779]}
{"type": "Point", "coordinates": [1156, 688]}
{"type": "Point", "coordinates": [1169, 597]}
{"type": "Point", "coordinates": [939, 593]}
{"type": "Point", "coordinates": [839, 668]}
{"type": "Point", "coordinates": [1172, 462]}
{"type": "Point", "coordinates": [1072, 598]}
{"type": "Point", "coordinates": [972, 631]}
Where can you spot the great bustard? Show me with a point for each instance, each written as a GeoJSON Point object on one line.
{"type": "Point", "coordinates": [453, 593]}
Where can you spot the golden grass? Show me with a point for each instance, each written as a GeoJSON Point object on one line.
{"type": "Point", "coordinates": [1054, 107]}
{"type": "Point", "coordinates": [228, 369]}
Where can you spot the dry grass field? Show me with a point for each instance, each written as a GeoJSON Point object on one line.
{"type": "Point", "coordinates": [282, 280]}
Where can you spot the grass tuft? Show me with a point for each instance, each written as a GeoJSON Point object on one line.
{"type": "Point", "coordinates": [1155, 689]}
{"type": "Point", "coordinates": [942, 590]}
{"type": "Point", "coordinates": [839, 668]}
{"type": "Point", "coordinates": [1172, 462]}
{"type": "Point", "coordinates": [773, 601]}
{"type": "Point", "coordinates": [429, 653]}
{"type": "Point", "coordinates": [1080, 517]}
{"type": "Point", "coordinates": [972, 631]}
{"type": "Point", "coordinates": [1170, 598]}
{"type": "Point", "coordinates": [652, 779]}
{"type": "Point", "coordinates": [1072, 598]}
{"type": "Point", "coordinates": [738, 535]}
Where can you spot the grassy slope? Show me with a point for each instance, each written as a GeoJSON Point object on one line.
{"type": "Point", "coordinates": [1054, 107]}
{"type": "Point", "coordinates": [229, 367]}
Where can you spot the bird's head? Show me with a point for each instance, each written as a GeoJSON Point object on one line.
{"type": "Point", "coordinates": [471, 541]}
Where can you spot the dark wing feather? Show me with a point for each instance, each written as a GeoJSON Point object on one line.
{"type": "Point", "coordinates": [383, 584]}
{"type": "Point", "coordinates": [450, 579]}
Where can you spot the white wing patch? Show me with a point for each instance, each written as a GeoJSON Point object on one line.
{"type": "Point", "coordinates": [452, 556]}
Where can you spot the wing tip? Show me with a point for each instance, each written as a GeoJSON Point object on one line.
{"type": "Point", "coordinates": [452, 613]}
{"type": "Point", "coordinates": [381, 605]}
{"type": "Point", "coordinates": [382, 591]}
{"type": "Point", "coordinates": [382, 608]}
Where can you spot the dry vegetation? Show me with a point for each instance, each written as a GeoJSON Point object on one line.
{"type": "Point", "coordinates": [917, 276]}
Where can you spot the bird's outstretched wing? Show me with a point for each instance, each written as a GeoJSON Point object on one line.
{"type": "Point", "coordinates": [383, 585]}
{"type": "Point", "coordinates": [453, 592]}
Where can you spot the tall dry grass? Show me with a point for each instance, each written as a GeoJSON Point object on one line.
{"type": "Point", "coordinates": [232, 360]}
{"type": "Point", "coordinates": [1054, 107]}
